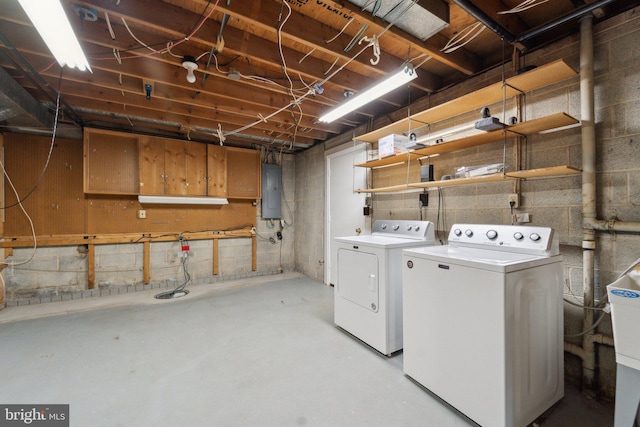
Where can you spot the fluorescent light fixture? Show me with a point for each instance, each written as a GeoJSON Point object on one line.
{"type": "Point", "coordinates": [53, 25]}
{"type": "Point", "coordinates": [177, 200]}
{"type": "Point", "coordinates": [397, 79]}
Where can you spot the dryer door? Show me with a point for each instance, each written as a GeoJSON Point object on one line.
{"type": "Point", "coordinates": [358, 278]}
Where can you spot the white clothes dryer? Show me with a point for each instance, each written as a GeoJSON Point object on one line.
{"type": "Point", "coordinates": [483, 322]}
{"type": "Point", "coordinates": [368, 292]}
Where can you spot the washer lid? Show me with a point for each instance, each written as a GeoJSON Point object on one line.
{"type": "Point", "coordinates": [378, 241]}
{"type": "Point", "coordinates": [485, 259]}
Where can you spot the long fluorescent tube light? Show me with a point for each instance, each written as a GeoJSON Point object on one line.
{"type": "Point", "coordinates": [397, 79]}
{"type": "Point", "coordinates": [53, 25]}
{"type": "Point", "coordinates": [177, 200]}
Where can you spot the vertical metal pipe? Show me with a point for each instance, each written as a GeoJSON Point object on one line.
{"type": "Point", "coordinates": [588, 192]}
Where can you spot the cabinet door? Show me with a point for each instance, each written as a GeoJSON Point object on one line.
{"type": "Point", "coordinates": [243, 173]}
{"type": "Point", "coordinates": [175, 168]}
{"type": "Point", "coordinates": [216, 171]}
{"type": "Point", "coordinates": [152, 175]}
{"type": "Point", "coordinates": [196, 168]}
{"type": "Point", "coordinates": [110, 162]}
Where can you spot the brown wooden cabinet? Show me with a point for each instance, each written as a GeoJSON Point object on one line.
{"type": "Point", "coordinates": [172, 167]}
{"type": "Point", "coordinates": [121, 163]}
{"type": "Point", "coordinates": [243, 173]}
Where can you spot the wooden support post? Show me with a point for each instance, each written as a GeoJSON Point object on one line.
{"type": "Point", "coordinates": [147, 262]}
{"type": "Point", "coordinates": [254, 252]}
{"type": "Point", "coordinates": [215, 257]}
{"type": "Point", "coordinates": [91, 266]}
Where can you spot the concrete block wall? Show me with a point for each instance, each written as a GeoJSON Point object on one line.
{"type": "Point", "coordinates": [310, 216]}
{"type": "Point", "coordinates": [31, 280]}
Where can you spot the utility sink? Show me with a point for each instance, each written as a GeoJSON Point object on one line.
{"type": "Point", "coordinates": [624, 296]}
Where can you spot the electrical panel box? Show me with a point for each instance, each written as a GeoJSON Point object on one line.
{"type": "Point", "coordinates": [271, 191]}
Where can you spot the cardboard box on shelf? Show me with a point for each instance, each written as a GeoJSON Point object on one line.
{"type": "Point", "coordinates": [392, 144]}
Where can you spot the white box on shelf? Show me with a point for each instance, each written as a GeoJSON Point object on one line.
{"type": "Point", "coordinates": [392, 144]}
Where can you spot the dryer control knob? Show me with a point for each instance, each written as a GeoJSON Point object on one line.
{"type": "Point", "coordinates": [535, 237]}
{"type": "Point", "coordinates": [395, 227]}
{"type": "Point", "coordinates": [409, 228]}
{"type": "Point", "coordinates": [469, 232]}
{"type": "Point", "coordinates": [518, 236]}
{"type": "Point", "coordinates": [492, 234]}
{"type": "Point", "coordinates": [457, 232]}
{"type": "Point", "coordinates": [417, 228]}
{"type": "Point", "coordinates": [383, 226]}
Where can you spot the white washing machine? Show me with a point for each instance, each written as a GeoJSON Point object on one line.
{"type": "Point", "coordinates": [368, 292]}
{"type": "Point", "coordinates": [483, 322]}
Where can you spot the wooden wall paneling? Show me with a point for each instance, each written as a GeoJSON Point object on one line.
{"type": "Point", "coordinates": [243, 173]}
{"type": "Point", "coordinates": [114, 214]}
{"type": "Point", "coordinates": [216, 171]}
{"type": "Point", "coordinates": [196, 168]}
{"type": "Point", "coordinates": [118, 214]}
{"type": "Point", "coordinates": [175, 167]}
{"type": "Point", "coordinates": [110, 162]}
{"type": "Point", "coordinates": [57, 204]}
{"type": "Point", "coordinates": [215, 257]}
{"type": "Point", "coordinates": [151, 161]}
{"type": "Point", "coordinates": [254, 253]}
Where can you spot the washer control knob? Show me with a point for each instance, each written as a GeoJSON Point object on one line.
{"type": "Point", "coordinates": [457, 232]}
{"type": "Point", "coordinates": [492, 234]}
{"type": "Point", "coordinates": [417, 228]}
{"type": "Point", "coordinates": [469, 232]}
{"type": "Point", "coordinates": [535, 237]}
{"type": "Point", "coordinates": [409, 228]}
{"type": "Point", "coordinates": [395, 227]}
{"type": "Point", "coordinates": [518, 236]}
{"type": "Point", "coordinates": [383, 226]}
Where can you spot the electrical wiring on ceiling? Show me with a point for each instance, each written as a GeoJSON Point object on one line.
{"type": "Point", "coordinates": [341, 31]}
{"type": "Point", "coordinates": [525, 5]}
{"type": "Point", "coordinates": [297, 95]}
{"type": "Point", "coordinates": [326, 79]}
{"type": "Point", "coordinates": [169, 44]}
{"type": "Point", "coordinates": [462, 38]}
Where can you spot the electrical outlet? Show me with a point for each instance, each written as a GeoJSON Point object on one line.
{"type": "Point", "coordinates": [513, 198]}
{"type": "Point", "coordinates": [142, 214]}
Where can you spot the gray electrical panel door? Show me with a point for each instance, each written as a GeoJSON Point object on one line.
{"type": "Point", "coordinates": [271, 191]}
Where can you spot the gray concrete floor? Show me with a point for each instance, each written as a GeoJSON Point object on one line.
{"type": "Point", "coordinates": [260, 352]}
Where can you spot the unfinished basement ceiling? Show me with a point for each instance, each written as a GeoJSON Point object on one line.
{"type": "Point", "coordinates": [267, 69]}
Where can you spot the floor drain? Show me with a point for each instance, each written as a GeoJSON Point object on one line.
{"type": "Point", "coordinates": [172, 294]}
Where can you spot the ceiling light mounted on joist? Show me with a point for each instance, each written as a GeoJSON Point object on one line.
{"type": "Point", "coordinates": [190, 64]}
{"type": "Point", "coordinates": [402, 76]}
{"type": "Point", "coordinates": [49, 18]}
{"type": "Point", "coordinates": [233, 74]}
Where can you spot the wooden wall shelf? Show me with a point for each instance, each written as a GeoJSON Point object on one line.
{"type": "Point", "coordinates": [539, 77]}
{"type": "Point", "coordinates": [530, 127]}
{"type": "Point", "coordinates": [550, 172]}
